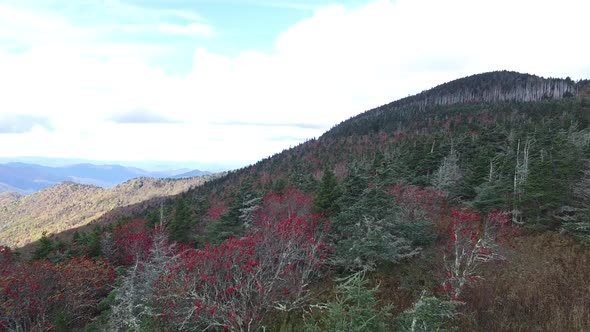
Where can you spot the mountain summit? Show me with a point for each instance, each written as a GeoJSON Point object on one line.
{"type": "Point", "coordinates": [487, 88]}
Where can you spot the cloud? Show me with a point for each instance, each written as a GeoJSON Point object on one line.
{"type": "Point", "coordinates": [192, 29]}
{"type": "Point", "coordinates": [288, 138]}
{"type": "Point", "coordinates": [269, 124]}
{"type": "Point", "coordinates": [96, 22]}
{"type": "Point", "coordinates": [22, 123]}
{"type": "Point", "coordinates": [303, 5]}
{"type": "Point", "coordinates": [334, 64]}
{"type": "Point", "coordinates": [139, 116]}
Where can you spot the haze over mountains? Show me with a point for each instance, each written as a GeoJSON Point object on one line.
{"type": "Point", "coordinates": [26, 178]}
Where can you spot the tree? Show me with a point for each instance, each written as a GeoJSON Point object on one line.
{"type": "Point", "coordinates": [353, 309]}
{"type": "Point", "coordinates": [238, 217]}
{"type": "Point", "coordinates": [448, 176]}
{"type": "Point", "coordinates": [44, 247]}
{"type": "Point", "coordinates": [353, 187]}
{"type": "Point", "coordinates": [473, 242]}
{"type": "Point", "coordinates": [427, 314]}
{"type": "Point", "coordinates": [132, 242]}
{"type": "Point", "coordinates": [385, 224]}
{"type": "Point", "coordinates": [179, 227]}
{"type": "Point", "coordinates": [370, 241]}
{"type": "Point", "coordinates": [135, 302]}
{"type": "Point", "coordinates": [326, 201]}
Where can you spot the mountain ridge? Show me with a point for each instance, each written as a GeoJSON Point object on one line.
{"type": "Point", "coordinates": [27, 178]}
{"type": "Point", "coordinates": [23, 218]}
{"type": "Point", "coordinates": [490, 87]}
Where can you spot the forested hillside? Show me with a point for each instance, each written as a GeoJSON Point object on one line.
{"type": "Point", "coordinates": [23, 219]}
{"type": "Point", "coordinates": [464, 207]}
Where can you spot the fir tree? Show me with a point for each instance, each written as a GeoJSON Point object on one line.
{"type": "Point", "coordinates": [326, 201]}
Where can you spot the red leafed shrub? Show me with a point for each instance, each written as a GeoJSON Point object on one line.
{"type": "Point", "coordinates": [33, 295]}
{"type": "Point", "coordinates": [27, 296]}
{"type": "Point", "coordinates": [83, 283]}
{"type": "Point", "coordinates": [291, 203]}
{"type": "Point", "coordinates": [473, 241]}
{"type": "Point", "coordinates": [132, 241]}
{"type": "Point", "coordinates": [216, 210]}
{"type": "Point", "coordinates": [232, 286]}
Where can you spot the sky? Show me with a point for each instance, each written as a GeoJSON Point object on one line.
{"type": "Point", "coordinates": [228, 82]}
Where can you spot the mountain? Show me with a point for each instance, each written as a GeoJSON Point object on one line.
{"type": "Point", "coordinates": [499, 141]}
{"type": "Point", "coordinates": [28, 178]}
{"type": "Point", "coordinates": [68, 205]}
{"type": "Point", "coordinates": [491, 121]}
{"type": "Point", "coordinates": [190, 174]}
{"type": "Point", "coordinates": [465, 207]}
{"type": "Point", "coordinates": [7, 198]}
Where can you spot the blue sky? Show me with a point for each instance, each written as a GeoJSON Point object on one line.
{"type": "Point", "coordinates": [233, 81]}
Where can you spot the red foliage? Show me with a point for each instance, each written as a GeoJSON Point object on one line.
{"type": "Point", "coordinates": [27, 293]}
{"type": "Point", "coordinates": [291, 203]}
{"type": "Point", "coordinates": [132, 241]}
{"type": "Point", "coordinates": [31, 295]}
{"type": "Point", "coordinates": [216, 210]}
{"type": "Point", "coordinates": [83, 282]}
{"type": "Point", "coordinates": [233, 285]}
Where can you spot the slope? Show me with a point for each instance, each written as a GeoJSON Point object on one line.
{"type": "Point", "coordinates": [67, 205]}
{"type": "Point", "coordinates": [486, 119]}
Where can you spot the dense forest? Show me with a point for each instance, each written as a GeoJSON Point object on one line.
{"type": "Point", "coordinates": [464, 208]}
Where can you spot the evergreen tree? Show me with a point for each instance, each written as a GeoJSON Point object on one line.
{"type": "Point", "coordinates": [428, 314]}
{"type": "Point", "coordinates": [44, 247]}
{"type": "Point", "coordinates": [353, 310]}
{"type": "Point", "coordinates": [181, 224]}
{"type": "Point", "coordinates": [353, 187]}
{"type": "Point", "coordinates": [326, 201]}
{"type": "Point", "coordinates": [239, 215]}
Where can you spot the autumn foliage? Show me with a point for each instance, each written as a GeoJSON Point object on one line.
{"type": "Point", "coordinates": [35, 295]}
{"type": "Point", "coordinates": [132, 241]}
{"type": "Point", "coordinates": [234, 285]}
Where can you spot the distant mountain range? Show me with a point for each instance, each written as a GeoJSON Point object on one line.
{"type": "Point", "coordinates": [27, 178]}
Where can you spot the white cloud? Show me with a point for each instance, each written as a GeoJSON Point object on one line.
{"type": "Point", "coordinates": [324, 69]}
{"type": "Point", "coordinates": [192, 29]}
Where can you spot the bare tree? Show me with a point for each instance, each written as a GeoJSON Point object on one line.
{"type": "Point", "coordinates": [449, 174]}
{"type": "Point", "coordinates": [521, 173]}
{"type": "Point", "coordinates": [134, 300]}
{"type": "Point", "coordinates": [473, 242]}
